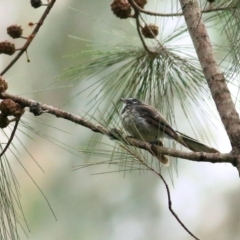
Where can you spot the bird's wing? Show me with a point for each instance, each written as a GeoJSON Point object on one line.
{"type": "Point", "coordinates": [154, 118]}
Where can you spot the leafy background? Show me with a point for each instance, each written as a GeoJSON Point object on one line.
{"type": "Point", "coordinates": [93, 203]}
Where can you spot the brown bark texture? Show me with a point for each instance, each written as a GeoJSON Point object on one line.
{"type": "Point", "coordinates": [215, 78]}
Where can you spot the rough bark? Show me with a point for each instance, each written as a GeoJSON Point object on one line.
{"type": "Point", "coordinates": [215, 78]}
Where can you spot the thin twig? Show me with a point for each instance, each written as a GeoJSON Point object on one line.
{"type": "Point", "coordinates": [167, 189]}
{"type": "Point", "coordinates": [11, 138]}
{"type": "Point", "coordinates": [136, 15]}
{"type": "Point", "coordinates": [170, 207]}
{"type": "Point", "coordinates": [31, 37]}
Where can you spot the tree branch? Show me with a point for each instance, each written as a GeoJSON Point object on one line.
{"type": "Point", "coordinates": [138, 25]}
{"type": "Point", "coordinates": [30, 38]}
{"type": "Point", "coordinates": [155, 150]}
{"type": "Point", "coordinates": [176, 14]}
{"type": "Point", "coordinates": [215, 78]}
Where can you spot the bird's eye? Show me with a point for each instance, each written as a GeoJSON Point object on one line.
{"type": "Point", "coordinates": [133, 101]}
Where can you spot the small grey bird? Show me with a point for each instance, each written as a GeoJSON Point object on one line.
{"type": "Point", "coordinates": [146, 123]}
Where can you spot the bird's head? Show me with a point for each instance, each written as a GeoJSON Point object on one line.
{"type": "Point", "coordinates": [131, 101]}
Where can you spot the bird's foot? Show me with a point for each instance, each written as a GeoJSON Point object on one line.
{"type": "Point", "coordinates": [157, 142]}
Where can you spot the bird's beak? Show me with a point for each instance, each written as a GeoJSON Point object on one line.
{"type": "Point", "coordinates": [123, 99]}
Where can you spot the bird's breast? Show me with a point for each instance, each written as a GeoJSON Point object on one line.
{"type": "Point", "coordinates": [137, 126]}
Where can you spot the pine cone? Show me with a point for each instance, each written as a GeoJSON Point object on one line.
{"type": "Point", "coordinates": [15, 31]}
{"type": "Point", "coordinates": [36, 3]}
{"type": "Point", "coordinates": [121, 8]}
{"type": "Point", "coordinates": [10, 108]}
{"type": "Point", "coordinates": [150, 31]}
{"type": "Point", "coordinates": [7, 47]}
{"type": "Point", "coordinates": [3, 84]}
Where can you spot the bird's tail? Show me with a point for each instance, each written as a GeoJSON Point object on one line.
{"type": "Point", "coordinates": [196, 146]}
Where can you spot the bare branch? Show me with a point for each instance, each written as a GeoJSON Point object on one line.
{"type": "Point", "coordinates": [30, 38]}
{"type": "Point", "coordinates": [167, 189]}
{"type": "Point", "coordinates": [155, 150]}
{"type": "Point", "coordinates": [136, 16]}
